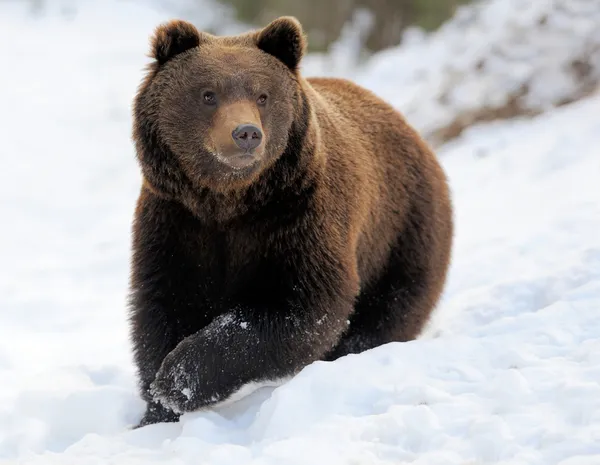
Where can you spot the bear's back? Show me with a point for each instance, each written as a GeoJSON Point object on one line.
{"type": "Point", "coordinates": [388, 173]}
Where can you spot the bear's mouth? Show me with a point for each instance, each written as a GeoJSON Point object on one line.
{"type": "Point", "coordinates": [239, 161]}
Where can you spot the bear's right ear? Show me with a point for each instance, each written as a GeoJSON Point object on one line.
{"type": "Point", "coordinates": [172, 38]}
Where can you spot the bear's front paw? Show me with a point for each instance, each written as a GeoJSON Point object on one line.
{"type": "Point", "coordinates": [177, 381]}
{"type": "Point", "coordinates": [157, 413]}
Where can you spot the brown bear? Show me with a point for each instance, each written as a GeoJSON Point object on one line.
{"type": "Point", "coordinates": [281, 220]}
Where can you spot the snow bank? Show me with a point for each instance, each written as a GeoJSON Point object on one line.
{"type": "Point", "coordinates": [494, 59]}
{"type": "Point", "coordinates": [507, 373]}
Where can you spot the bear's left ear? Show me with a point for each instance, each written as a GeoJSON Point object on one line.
{"type": "Point", "coordinates": [284, 39]}
{"type": "Point", "coordinates": [172, 38]}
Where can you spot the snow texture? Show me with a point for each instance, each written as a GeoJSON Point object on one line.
{"type": "Point", "coordinates": [507, 373]}
{"type": "Point", "coordinates": [494, 58]}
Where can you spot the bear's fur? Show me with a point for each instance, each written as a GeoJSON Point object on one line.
{"type": "Point", "coordinates": [332, 237]}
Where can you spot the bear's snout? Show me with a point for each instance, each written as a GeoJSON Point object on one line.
{"type": "Point", "coordinates": [238, 137]}
{"type": "Point", "coordinates": [247, 136]}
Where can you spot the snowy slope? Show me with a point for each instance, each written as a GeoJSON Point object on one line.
{"type": "Point", "coordinates": [509, 371]}
{"type": "Point", "coordinates": [495, 58]}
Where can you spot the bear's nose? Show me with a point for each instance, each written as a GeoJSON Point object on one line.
{"type": "Point", "coordinates": [247, 136]}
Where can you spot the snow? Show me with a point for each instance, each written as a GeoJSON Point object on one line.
{"type": "Point", "coordinates": [494, 57]}
{"type": "Point", "coordinates": [507, 373]}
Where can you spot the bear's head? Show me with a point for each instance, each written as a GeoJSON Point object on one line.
{"type": "Point", "coordinates": [216, 112]}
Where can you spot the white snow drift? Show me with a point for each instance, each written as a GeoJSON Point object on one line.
{"type": "Point", "coordinates": [494, 58]}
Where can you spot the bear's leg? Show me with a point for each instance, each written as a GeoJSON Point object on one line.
{"type": "Point", "coordinates": [245, 346]}
{"type": "Point", "coordinates": [153, 339]}
{"type": "Point", "coordinates": [289, 318]}
{"type": "Point", "coordinates": [396, 306]}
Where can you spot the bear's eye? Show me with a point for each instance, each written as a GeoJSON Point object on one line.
{"type": "Point", "coordinates": [262, 99]}
{"type": "Point", "coordinates": [209, 98]}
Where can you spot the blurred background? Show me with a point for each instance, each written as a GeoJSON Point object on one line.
{"type": "Point", "coordinates": [323, 20]}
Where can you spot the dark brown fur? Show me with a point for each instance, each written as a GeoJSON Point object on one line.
{"type": "Point", "coordinates": [337, 241]}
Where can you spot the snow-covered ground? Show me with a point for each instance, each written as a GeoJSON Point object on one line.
{"type": "Point", "coordinates": [495, 58]}
{"type": "Point", "coordinates": [508, 373]}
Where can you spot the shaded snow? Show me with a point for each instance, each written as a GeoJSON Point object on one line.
{"type": "Point", "coordinates": [508, 372]}
{"type": "Point", "coordinates": [519, 56]}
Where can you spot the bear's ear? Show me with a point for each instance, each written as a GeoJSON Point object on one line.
{"type": "Point", "coordinates": [172, 38]}
{"type": "Point", "coordinates": [284, 39]}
